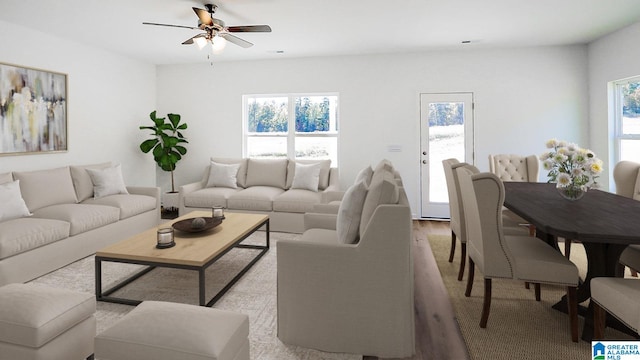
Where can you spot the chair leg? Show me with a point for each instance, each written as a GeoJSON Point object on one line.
{"type": "Point", "coordinates": [453, 246]}
{"type": "Point", "coordinates": [472, 266]}
{"type": "Point", "coordinates": [526, 285]}
{"type": "Point", "coordinates": [463, 259]}
{"type": "Point", "coordinates": [572, 305]}
{"type": "Point", "coordinates": [599, 321]}
{"type": "Point", "coordinates": [536, 287]}
{"type": "Point", "coordinates": [486, 306]}
{"type": "Point", "coordinates": [567, 248]}
{"type": "Point", "coordinates": [532, 230]}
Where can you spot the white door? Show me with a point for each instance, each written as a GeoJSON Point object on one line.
{"type": "Point", "coordinates": [446, 131]}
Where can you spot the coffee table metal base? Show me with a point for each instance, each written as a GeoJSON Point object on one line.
{"type": "Point", "coordinates": [105, 295]}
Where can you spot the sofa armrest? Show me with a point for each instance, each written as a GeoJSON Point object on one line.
{"type": "Point", "coordinates": [188, 188]}
{"type": "Point", "coordinates": [320, 221]}
{"type": "Point", "coordinates": [330, 195]}
{"type": "Point", "coordinates": [326, 208]}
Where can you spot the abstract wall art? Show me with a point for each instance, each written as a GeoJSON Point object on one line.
{"type": "Point", "coordinates": [33, 110]}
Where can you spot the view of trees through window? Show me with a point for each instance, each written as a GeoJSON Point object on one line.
{"type": "Point", "coordinates": [312, 118]}
{"type": "Point", "coordinates": [629, 120]}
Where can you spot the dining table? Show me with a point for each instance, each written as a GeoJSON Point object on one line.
{"type": "Point", "coordinates": [605, 224]}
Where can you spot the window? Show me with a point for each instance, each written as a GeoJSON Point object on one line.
{"type": "Point", "coordinates": [627, 118]}
{"type": "Point", "coordinates": [292, 125]}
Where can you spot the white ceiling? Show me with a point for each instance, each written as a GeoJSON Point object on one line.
{"type": "Point", "coordinates": [323, 28]}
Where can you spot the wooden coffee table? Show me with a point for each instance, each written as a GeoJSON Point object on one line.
{"type": "Point", "coordinates": [192, 252]}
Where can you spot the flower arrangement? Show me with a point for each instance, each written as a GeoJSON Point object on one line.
{"type": "Point", "coordinates": [574, 169]}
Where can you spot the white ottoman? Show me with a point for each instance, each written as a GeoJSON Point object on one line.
{"type": "Point", "coordinates": [158, 330]}
{"type": "Point", "coordinates": [38, 322]}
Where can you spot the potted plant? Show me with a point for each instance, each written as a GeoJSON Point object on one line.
{"type": "Point", "coordinates": [166, 142]}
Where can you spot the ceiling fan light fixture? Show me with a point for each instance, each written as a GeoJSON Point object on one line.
{"type": "Point", "coordinates": [201, 42]}
{"type": "Point", "coordinates": [218, 44]}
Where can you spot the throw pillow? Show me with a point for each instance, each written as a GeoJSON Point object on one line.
{"type": "Point", "coordinates": [307, 177]}
{"type": "Point", "coordinates": [349, 213]}
{"type": "Point", "coordinates": [82, 181]}
{"type": "Point", "coordinates": [107, 181]}
{"type": "Point", "coordinates": [364, 175]}
{"type": "Point", "coordinates": [12, 206]}
{"type": "Point", "coordinates": [223, 175]}
{"type": "Point", "coordinates": [325, 172]}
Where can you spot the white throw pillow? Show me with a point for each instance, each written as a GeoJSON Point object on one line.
{"type": "Point", "coordinates": [350, 212]}
{"type": "Point", "coordinates": [364, 175]}
{"type": "Point", "coordinates": [307, 177]}
{"type": "Point", "coordinates": [223, 175]}
{"type": "Point", "coordinates": [12, 206]}
{"type": "Point", "coordinates": [107, 181]}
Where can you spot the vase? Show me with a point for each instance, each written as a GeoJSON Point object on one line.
{"type": "Point", "coordinates": [571, 192]}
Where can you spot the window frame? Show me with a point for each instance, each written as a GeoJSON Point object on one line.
{"type": "Point", "coordinates": [290, 135]}
{"type": "Point", "coordinates": [618, 116]}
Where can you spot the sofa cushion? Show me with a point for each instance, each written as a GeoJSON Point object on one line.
{"type": "Point", "coordinates": [20, 235]}
{"type": "Point", "coordinates": [350, 212]}
{"type": "Point", "coordinates": [325, 167]}
{"type": "Point", "coordinates": [241, 177]}
{"type": "Point", "coordinates": [257, 198]}
{"type": "Point", "coordinates": [307, 177]}
{"type": "Point", "coordinates": [209, 197]}
{"type": "Point", "coordinates": [12, 205]}
{"type": "Point", "coordinates": [223, 175]}
{"type": "Point", "coordinates": [5, 178]}
{"type": "Point", "coordinates": [129, 204]}
{"type": "Point", "coordinates": [297, 201]}
{"type": "Point", "coordinates": [384, 164]}
{"type": "Point", "coordinates": [82, 217]}
{"type": "Point", "coordinates": [32, 315]}
{"type": "Point", "coordinates": [383, 190]}
{"type": "Point", "coordinates": [267, 172]}
{"type": "Point", "coordinates": [82, 181]}
{"type": "Point", "coordinates": [107, 181]}
{"type": "Point", "coordinates": [37, 186]}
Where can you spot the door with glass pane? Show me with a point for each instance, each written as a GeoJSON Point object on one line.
{"type": "Point", "coordinates": [446, 131]}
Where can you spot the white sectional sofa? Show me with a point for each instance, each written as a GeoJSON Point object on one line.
{"type": "Point", "coordinates": [63, 221]}
{"type": "Point", "coordinates": [282, 188]}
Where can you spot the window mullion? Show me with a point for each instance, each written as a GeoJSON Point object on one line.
{"type": "Point", "coordinates": [291, 138]}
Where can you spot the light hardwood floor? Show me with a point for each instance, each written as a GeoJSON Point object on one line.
{"type": "Point", "coordinates": [437, 333]}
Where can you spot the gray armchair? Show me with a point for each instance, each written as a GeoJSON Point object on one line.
{"type": "Point", "coordinates": [352, 297]}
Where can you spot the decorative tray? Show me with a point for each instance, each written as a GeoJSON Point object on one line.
{"type": "Point", "coordinates": [187, 225]}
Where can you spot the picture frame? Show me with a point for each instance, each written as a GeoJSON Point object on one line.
{"type": "Point", "coordinates": [33, 111]}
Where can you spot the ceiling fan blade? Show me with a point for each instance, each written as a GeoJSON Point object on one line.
{"type": "Point", "coordinates": [169, 25]}
{"type": "Point", "coordinates": [249, 28]}
{"type": "Point", "coordinates": [203, 15]}
{"type": "Point", "coordinates": [236, 40]}
{"type": "Point", "coordinates": [190, 41]}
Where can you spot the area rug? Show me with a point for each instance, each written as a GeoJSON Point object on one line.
{"type": "Point", "coordinates": [519, 327]}
{"type": "Point", "coordinates": [254, 295]}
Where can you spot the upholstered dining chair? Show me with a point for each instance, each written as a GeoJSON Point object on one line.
{"type": "Point", "coordinates": [457, 223]}
{"type": "Point", "coordinates": [507, 256]}
{"type": "Point", "coordinates": [626, 175]}
{"type": "Point", "coordinates": [618, 297]}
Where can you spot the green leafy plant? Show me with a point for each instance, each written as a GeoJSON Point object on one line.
{"type": "Point", "coordinates": [166, 143]}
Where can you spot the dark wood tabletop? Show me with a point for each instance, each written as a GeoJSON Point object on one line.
{"type": "Point", "coordinates": [599, 216]}
{"type": "Point", "coordinates": [605, 223]}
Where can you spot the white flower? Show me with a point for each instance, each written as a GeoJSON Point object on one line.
{"type": "Point", "coordinates": [548, 164]}
{"type": "Point", "coordinates": [562, 143]}
{"type": "Point", "coordinates": [560, 158]}
{"type": "Point", "coordinates": [564, 179]}
{"type": "Point", "coordinates": [577, 172]}
{"type": "Point", "coordinates": [595, 168]}
{"type": "Point", "coordinates": [545, 156]}
{"type": "Point", "coordinates": [552, 143]}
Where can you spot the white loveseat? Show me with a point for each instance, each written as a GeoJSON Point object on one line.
{"type": "Point", "coordinates": [268, 186]}
{"type": "Point", "coordinates": [62, 221]}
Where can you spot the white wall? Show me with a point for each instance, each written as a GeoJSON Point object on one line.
{"type": "Point", "coordinates": [523, 97]}
{"type": "Point", "coordinates": [611, 58]}
{"type": "Point", "coordinates": [109, 96]}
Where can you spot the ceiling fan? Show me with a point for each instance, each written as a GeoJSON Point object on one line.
{"type": "Point", "coordinates": [216, 29]}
